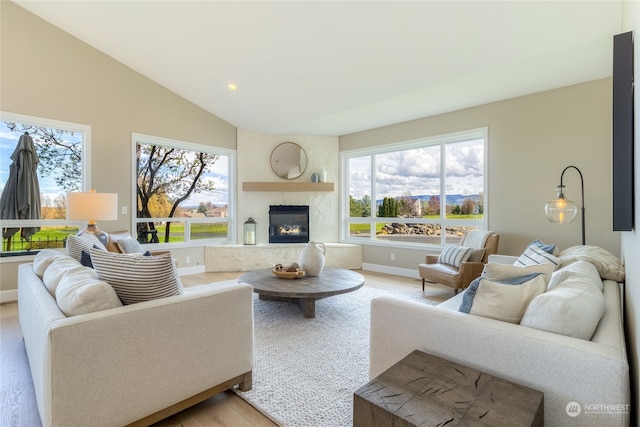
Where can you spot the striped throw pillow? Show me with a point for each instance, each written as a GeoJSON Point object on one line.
{"type": "Point", "coordinates": [76, 244]}
{"type": "Point", "coordinates": [137, 278]}
{"type": "Point", "coordinates": [550, 249]}
{"type": "Point", "coordinates": [454, 255]}
{"type": "Point", "coordinates": [534, 255]}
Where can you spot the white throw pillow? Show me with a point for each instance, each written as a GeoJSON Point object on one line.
{"type": "Point", "coordinates": [578, 269]}
{"type": "Point", "coordinates": [502, 301]}
{"type": "Point", "coordinates": [80, 291]}
{"type": "Point", "coordinates": [572, 307]}
{"type": "Point", "coordinates": [608, 266]}
{"type": "Point", "coordinates": [137, 278]}
{"type": "Point", "coordinates": [58, 267]}
{"type": "Point", "coordinates": [454, 255]}
{"type": "Point", "coordinates": [43, 260]}
{"type": "Point", "coordinates": [76, 244]}
{"type": "Point", "coordinates": [501, 272]}
{"type": "Point", "coordinates": [535, 255]}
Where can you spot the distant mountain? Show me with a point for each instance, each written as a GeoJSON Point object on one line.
{"type": "Point", "coordinates": [452, 199]}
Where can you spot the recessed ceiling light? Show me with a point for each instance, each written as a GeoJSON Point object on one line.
{"type": "Point", "coordinates": [232, 87]}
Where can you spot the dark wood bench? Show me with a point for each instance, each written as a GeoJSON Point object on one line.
{"type": "Point", "coordinates": [423, 389]}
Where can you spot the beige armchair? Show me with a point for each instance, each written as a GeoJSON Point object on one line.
{"type": "Point", "coordinates": [459, 277]}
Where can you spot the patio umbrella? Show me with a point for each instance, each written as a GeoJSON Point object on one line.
{"type": "Point", "coordinates": [21, 194]}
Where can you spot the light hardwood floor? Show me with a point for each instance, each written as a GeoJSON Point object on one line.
{"type": "Point", "coordinates": [17, 400]}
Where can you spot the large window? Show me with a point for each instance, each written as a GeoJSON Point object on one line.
{"type": "Point", "coordinates": [60, 165]}
{"type": "Point", "coordinates": [183, 191]}
{"type": "Point", "coordinates": [429, 191]}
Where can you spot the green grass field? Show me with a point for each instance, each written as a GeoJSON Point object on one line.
{"type": "Point", "coordinates": [198, 231]}
{"type": "Point", "coordinates": [54, 237]}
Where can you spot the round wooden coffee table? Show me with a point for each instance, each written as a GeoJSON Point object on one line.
{"type": "Point", "coordinates": [305, 290]}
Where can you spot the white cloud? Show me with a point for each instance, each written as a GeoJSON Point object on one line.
{"type": "Point", "coordinates": [417, 171]}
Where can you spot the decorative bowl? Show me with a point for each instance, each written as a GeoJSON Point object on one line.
{"type": "Point", "coordinates": [288, 274]}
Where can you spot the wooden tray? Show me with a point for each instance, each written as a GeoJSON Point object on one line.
{"type": "Point", "coordinates": [289, 274]}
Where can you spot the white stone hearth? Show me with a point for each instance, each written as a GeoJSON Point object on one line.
{"type": "Point", "coordinates": [255, 257]}
{"type": "Point", "coordinates": [254, 154]}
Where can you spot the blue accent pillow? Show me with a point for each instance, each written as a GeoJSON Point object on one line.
{"type": "Point", "coordinates": [85, 259]}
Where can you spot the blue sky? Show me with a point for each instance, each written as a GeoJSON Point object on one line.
{"type": "Point", "coordinates": [8, 140]}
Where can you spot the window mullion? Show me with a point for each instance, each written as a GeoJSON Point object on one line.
{"type": "Point", "coordinates": [443, 193]}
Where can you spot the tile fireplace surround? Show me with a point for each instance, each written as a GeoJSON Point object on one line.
{"type": "Point", "coordinates": [254, 257]}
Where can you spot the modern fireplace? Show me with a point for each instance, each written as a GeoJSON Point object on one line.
{"type": "Point", "coordinates": [288, 224]}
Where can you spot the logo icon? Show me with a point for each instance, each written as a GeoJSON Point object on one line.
{"type": "Point", "coordinates": [573, 409]}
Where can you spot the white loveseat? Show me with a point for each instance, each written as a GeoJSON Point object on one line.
{"type": "Point", "coordinates": [594, 374]}
{"type": "Point", "coordinates": [135, 363]}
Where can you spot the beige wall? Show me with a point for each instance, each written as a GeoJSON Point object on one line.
{"type": "Point", "coordinates": [47, 73]}
{"type": "Point", "coordinates": [531, 140]}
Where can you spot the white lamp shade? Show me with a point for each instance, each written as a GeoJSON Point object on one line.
{"type": "Point", "coordinates": [92, 206]}
{"type": "Point", "coordinates": [561, 210]}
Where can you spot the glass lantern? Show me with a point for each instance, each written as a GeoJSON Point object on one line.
{"type": "Point", "coordinates": [249, 232]}
{"type": "Point", "coordinates": [561, 209]}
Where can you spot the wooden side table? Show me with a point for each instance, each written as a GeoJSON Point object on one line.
{"type": "Point", "coordinates": [427, 390]}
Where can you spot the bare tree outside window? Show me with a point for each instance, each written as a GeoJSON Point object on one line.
{"type": "Point", "coordinates": [182, 191]}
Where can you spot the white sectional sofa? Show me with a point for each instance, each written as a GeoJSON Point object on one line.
{"type": "Point", "coordinates": [585, 382]}
{"type": "Point", "coordinates": [134, 363]}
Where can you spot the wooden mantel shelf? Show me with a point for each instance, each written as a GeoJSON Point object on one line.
{"type": "Point", "coordinates": [287, 186]}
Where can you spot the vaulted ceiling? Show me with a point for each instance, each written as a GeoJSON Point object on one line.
{"type": "Point", "coordinates": [337, 67]}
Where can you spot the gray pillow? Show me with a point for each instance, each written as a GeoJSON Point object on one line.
{"type": "Point", "coordinates": [130, 246]}
{"type": "Point", "coordinates": [477, 255]}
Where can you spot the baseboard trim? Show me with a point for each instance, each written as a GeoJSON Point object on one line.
{"type": "Point", "coordinates": [8, 296]}
{"type": "Point", "coordinates": [397, 271]}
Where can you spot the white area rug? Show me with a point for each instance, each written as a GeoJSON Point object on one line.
{"type": "Point", "coordinates": [306, 370]}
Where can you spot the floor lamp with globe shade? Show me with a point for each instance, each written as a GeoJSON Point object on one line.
{"type": "Point", "coordinates": [563, 210]}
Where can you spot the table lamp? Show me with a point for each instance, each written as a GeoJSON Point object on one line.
{"type": "Point", "coordinates": [92, 207]}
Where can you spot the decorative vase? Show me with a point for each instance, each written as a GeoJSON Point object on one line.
{"type": "Point", "coordinates": [312, 258]}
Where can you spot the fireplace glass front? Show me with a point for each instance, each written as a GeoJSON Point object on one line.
{"type": "Point", "coordinates": [288, 224]}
